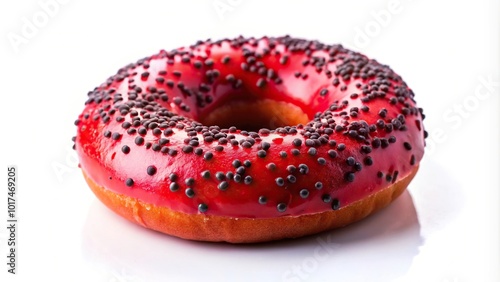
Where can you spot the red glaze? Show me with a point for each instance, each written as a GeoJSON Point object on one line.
{"type": "Point", "coordinates": [351, 81]}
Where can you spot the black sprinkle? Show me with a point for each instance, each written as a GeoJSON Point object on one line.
{"type": "Point", "coordinates": [261, 154]}
{"type": "Point", "coordinates": [248, 179]}
{"type": "Point", "coordinates": [357, 166]}
{"type": "Point", "coordinates": [297, 142]}
{"type": "Point", "coordinates": [236, 163]}
{"type": "Point", "coordinates": [223, 185]}
{"type": "Point", "coordinates": [151, 170]}
{"type": "Point", "coordinates": [388, 177]}
{"type": "Point", "coordinates": [322, 161]}
{"type": "Point", "coordinates": [189, 181]}
{"type": "Point", "coordinates": [271, 166]}
{"type": "Point", "coordinates": [202, 208]}
{"type": "Point", "coordinates": [349, 176]}
{"type": "Point", "coordinates": [326, 198]}
{"type": "Point", "coordinates": [291, 168]}
{"type": "Point", "coordinates": [129, 182]}
{"type": "Point", "coordinates": [156, 147]}
{"type": "Point", "coordinates": [174, 186]}
{"type": "Point", "coordinates": [280, 181]}
{"type": "Point", "coordinates": [142, 131]}
{"type": "Point", "coordinates": [304, 193]}
{"type": "Point", "coordinates": [189, 192]}
{"type": "Point", "coordinates": [173, 177]}
{"type": "Point", "coordinates": [241, 170]}
{"type": "Point", "coordinates": [205, 174]}
{"type": "Point", "coordinates": [225, 59]}
{"type": "Point", "coordinates": [237, 178]}
{"type": "Point", "coordinates": [208, 156]}
{"type": "Point", "coordinates": [366, 149]}
{"type": "Point", "coordinates": [310, 143]}
{"type": "Point", "coordinates": [262, 200]}
{"type": "Point", "coordinates": [318, 185]}
{"type": "Point", "coordinates": [303, 169]}
{"type": "Point", "coordinates": [395, 176]}
{"type": "Point", "coordinates": [220, 175]}
{"type": "Point", "coordinates": [368, 161]}
{"type": "Point", "coordinates": [332, 154]}
{"type": "Point", "coordinates": [265, 146]}
{"type": "Point", "coordinates": [125, 149]}
{"type": "Point", "coordinates": [261, 82]}
{"type": "Point", "coordinates": [376, 142]}
{"type": "Point", "coordinates": [412, 160]}
{"type": "Point", "coordinates": [335, 204]}
{"type": "Point", "coordinates": [281, 207]}
{"type": "Point", "coordinates": [407, 146]}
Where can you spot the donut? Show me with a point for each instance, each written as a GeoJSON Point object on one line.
{"type": "Point", "coordinates": [250, 139]}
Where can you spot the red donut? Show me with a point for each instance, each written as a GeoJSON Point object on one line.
{"type": "Point", "coordinates": [250, 140]}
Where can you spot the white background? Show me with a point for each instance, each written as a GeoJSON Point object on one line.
{"type": "Point", "coordinates": [445, 229]}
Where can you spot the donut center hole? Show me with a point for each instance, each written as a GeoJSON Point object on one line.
{"type": "Point", "coordinates": [254, 115]}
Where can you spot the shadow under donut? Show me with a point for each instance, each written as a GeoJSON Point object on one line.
{"type": "Point", "coordinates": [379, 248]}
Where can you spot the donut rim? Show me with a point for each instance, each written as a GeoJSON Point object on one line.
{"type": "Point", "coordinates": [213, 228]}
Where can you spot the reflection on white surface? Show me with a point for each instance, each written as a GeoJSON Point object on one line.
{"type": "Point", "coordinates": [382, 247]}
{"type": "Point", "coordinates": [438, 197]}
{"type": "Point", "coordinates": [439, 201]}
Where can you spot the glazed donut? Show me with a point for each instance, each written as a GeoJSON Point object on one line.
{"type": "Point", "coordinates": [250, 140]}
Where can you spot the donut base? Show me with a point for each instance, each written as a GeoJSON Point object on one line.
{"type": "Point", "coordinates": [215, 228]}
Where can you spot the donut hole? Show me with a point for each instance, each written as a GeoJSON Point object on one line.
{"type": "Point", "coordinates": [256, 114]}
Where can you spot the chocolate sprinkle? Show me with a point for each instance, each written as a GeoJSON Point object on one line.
{"type": "Point", "coordinates": [304, 193]}
{"type": "Point", "coordinates": [262, 200]}
{"type": "Point", "coordinates": [125, 149]}
{"type": "Point", "coordinates": [202, 208]}
{"type": "Point", "coordinates": [281, 207]}
{"type": "Point", "coordinates": [151, 170]}
{"type": "Point", "coordinates": [129, 182]}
